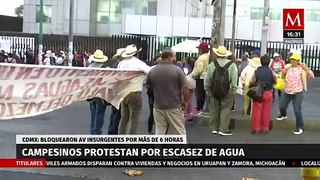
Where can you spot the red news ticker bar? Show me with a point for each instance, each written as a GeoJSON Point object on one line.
{"type": "Point", "coordinates": [23, 163]}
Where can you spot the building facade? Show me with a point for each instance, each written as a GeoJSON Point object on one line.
{"type": "Point", "coordinates": [185, 18]}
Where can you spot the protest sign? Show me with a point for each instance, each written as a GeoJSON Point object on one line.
{"type": "Point", "coordinates": [29, 90]}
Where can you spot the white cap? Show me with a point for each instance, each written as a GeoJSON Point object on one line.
{"type": "Point", "coordinates": [295, 51]}
{"type": "Point", "coordinates": [276, 55]}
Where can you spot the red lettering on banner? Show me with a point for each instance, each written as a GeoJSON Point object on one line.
{"type": "Point", "coordinates": [66, 100]}
{"type": "Point", "coordinates": [35, 105]}
{"type": "Point", "coordinates": [57, 88]}
{"type": "Point", "coordinates": [6, 72]}
{"type": "Point", "coordinates": [10, 109]}
{"type": "Point", "coordinates": [51, 89]}
{"type": "Point", "coordinates": [94, 73]}
{"type": "Point", "coordinates": [75, 85]}
{"type": "Point", "coordinates": [83, 94]}
{"type": "Point", "coordinates": [29, 87]}
{"type": "Point", "coordinates": [23, 73]}
{"type": "Point", "coordinates": [42, 89]}
{"type": "Point", "coordinates": [65, 71]}
{"type": "Point", "coordinates": [87, 84]}
{"type": "Point", "coordinates": [23, 109]}
{"type": "Point", "coordinates": [106, 72]}
{"type": "Point", "coordinates": [56, 103]}
{"type": "Point", "coordinates": [37, 73]}
{"type": "Point", "coordinates": [53, 73]}
{"type": "Point", "coordinates": [66, 88]}
{"type": "Point", "coordinates": [99, 82]}
{"type": "Point", "coordinates": [6, 93]}
{"type": "Point", "coordinates": [73, 72]}
{"type": "Point", "coordinates": [84, 72]}
{"type": "Point", "coordinates": [14, 109]}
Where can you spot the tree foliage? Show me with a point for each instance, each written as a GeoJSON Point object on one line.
{"type": "Point", "coordinates": [19, 11]}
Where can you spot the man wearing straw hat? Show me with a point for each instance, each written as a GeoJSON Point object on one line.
{"type": "Point", "coordinates": [97, 105]}
{"type": "Point", "coordinates": [132, 104]}
{"type": "Point", "coordinates": [220, 83]}
{"type": "Point", "coordinates": [115, 115]}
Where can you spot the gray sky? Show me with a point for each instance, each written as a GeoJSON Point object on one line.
{"type": "Point", "coordinates": [7, 7]}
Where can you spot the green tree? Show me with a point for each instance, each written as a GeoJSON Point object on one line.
{"type": "Point", "coordinates": [19, 11]}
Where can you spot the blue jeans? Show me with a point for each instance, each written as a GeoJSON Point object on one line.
{"type": "Point", "coordinates": [115, 117]}
{"type": "Point", "coordinates": [296, 102]}
{"type": "Point", "coordinates": [98, 109]}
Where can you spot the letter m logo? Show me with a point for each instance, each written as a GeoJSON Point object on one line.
{"type": "Point", "coordinates": [293, 19]}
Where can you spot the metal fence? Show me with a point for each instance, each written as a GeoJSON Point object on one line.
{"type": "Point", "coordinates": [152, 45]}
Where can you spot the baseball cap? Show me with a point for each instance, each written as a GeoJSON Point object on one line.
{"type": "Point", "coordinates": [296, 57]}
{"type": "Point", "coordinates": [276, 55]}
{"type": "Point", "coordinates": [256, 52]}
{"type": "Point", "coordinates": [203, 45]}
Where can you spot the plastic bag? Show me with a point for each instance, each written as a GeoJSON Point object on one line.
{"type": "Point", "coordinates": [279, 84]}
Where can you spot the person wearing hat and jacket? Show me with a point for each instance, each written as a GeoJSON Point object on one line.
{"type": "Point", "coordinates": [132, 104]}
{"type": "Point", "coordinates": [220, 109]}
{"type": "Point", "coordinates": [245, 79]}
{"type": "Point", "coordinates": [97, 105]}
{"type": "Point", "coordinates": [198, 73]}
{"type": "Point", "coordinates": [295, 84]}
{"type": "Point", "coordinates": [115, 115]}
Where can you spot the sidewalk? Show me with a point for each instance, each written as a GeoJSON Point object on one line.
{"type": "Point", "coordinates": [310, 112]}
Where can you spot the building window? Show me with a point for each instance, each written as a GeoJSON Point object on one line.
{"type": "Point", "coordinates": [128, 7]}
{"type": "Point", "coordinates": [152, 8]}
{"type": "Point", "coordinates": [141, 7]}
{"type": "Point", "coordinates": [47, 14]}
{"type": "Point", "coordinates": [275, 14]}
{"type": "Point", "coordinates": [256, 13]}
{"type": "Point", "coordinates": [109, 11]}
{"type": "Point", "coordinates": [312, 15]}
{"type": "Point", "coordinates": [145, 7]}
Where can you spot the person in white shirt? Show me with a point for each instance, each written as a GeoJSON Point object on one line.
{"type": "Point", "coordinates": [132, 104]}
{"type": "Point", "coordinates": [245, 79]}
{"type": "Point", "coordinates": [60, 58]}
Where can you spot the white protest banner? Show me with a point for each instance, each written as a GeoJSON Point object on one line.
{"type": "Point", "coordinates": [29, 90]}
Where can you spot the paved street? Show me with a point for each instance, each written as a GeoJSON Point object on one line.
{"type": "Point", "coordinates": [310, 109]}
{"type": "Point", "coordinates": [74, 119]}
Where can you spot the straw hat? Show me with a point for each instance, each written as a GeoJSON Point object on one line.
{"type": "Point", "coordinates": [119, 52]}
{"type": "Point", "coordinates": [130, 51]}
{"type": "Point", "coordinates": [98, 56]}
{"type": "Point", "coordinates": [255, 62]}
{"type": "Point", "coordinates": [221, 51]}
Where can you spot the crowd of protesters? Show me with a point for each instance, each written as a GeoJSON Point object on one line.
{"type": "Point", "coordinates": [214, 83]}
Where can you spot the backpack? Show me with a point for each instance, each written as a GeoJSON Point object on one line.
{"type": "Point", "coordinates": [221, 81]}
